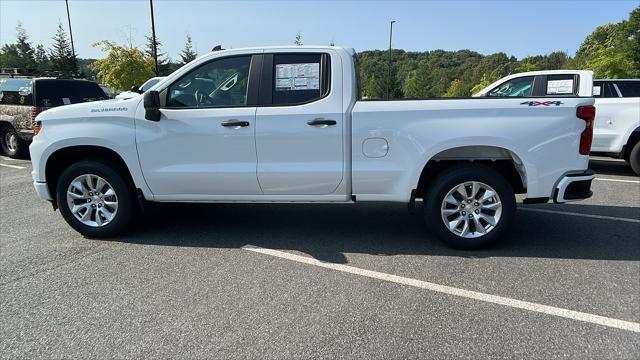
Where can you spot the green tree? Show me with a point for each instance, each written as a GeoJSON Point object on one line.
{"type": "Point", "coordinates": [458, 88]}
{"type": "Point", "coordinates": [86, 69]}
{"type": "Point", "coordinates": [164, 63]}
{"type": "Point", "coordinates": [61, 56]}
{"type": "Point", "coordinates": [123, 67]}
{"type": "Point", "coordinates": [374, 88]}
{"type": "Point", "coordinates": [40, 56]}
{"type": "Point", "coordinates": [611, 50]}
{"type": "Point", "coordinates": [631, 28]}
{"type": "Point", "coordinates": [298, 40]}
{"type": "Point", "coordinates": [9, 56]}
{"type": "Point", "coordinates": [410, 88]}
{"type": "Point", "coordinates": [26, 61]}
{"type": "Point", "coordinates": [526, 66]}
{"type": "Point", "coordinates": [188, 54]}
{"type": "Point", "coordinates": [484, 82]}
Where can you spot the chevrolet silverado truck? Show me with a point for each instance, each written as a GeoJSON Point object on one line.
{"type": "Point", "coordinates": [616, 130]}
{"type": "Point", "coordinates": [285, 124]}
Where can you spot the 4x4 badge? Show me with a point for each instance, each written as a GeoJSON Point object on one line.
{"type": "Point", "coordinates": [541, 103]}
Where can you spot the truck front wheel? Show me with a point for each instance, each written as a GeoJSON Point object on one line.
{"type": "Point", "coordinates": [469, 206]}
{"type": "Point", "coordinates": [94, 199]}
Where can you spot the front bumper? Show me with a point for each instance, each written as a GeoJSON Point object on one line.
{"type": "Point", "coordinates": [26, 134]}
{"type": "Point", "coordinates": [574, 186]}
{"type": "Point", "coordinates": [42, 190]}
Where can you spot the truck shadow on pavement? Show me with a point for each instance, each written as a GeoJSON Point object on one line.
{"type": "Point", "coordinates": [611, 167]}
{"type": "Point", "coordinates": [326, 232]}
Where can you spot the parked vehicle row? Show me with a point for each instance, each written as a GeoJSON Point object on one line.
{"type": "Point", "coordinates": [22, 99]}
{"type": "Point", "coordinates": [285, 124]}
{"type": "Point", "coordinates": [617, 128]}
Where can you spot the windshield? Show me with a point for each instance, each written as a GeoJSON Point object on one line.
{"type": "Point", "coordinates": [16, 91]}
{"type": "Point", "coordinates": [14, 84]}
{"type": "Point", "coordinates": [147, 85]}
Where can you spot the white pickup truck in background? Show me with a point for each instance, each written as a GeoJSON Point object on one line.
{"type": "Point", "coordinates": [617, 128]}
{"type": "Point", "coordinates": [285, 124]}
{"type": "Point", "coordinates": [616, 132]}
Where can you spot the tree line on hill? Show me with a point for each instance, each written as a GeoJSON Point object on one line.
{"type": "Point", "coordinates": [611, 51]}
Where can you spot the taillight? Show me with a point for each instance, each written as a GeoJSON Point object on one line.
{"type": "Point", "coordinates": [588, 114]}
{"type": "Point", "coordinates": [35, 110]}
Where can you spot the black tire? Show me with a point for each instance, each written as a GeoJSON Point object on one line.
{"type": "Point", "coordinates": [124, 193]}
{"type": "Point", "coordinates": [14, 151]}
{"type": "Point", "coordinates": [634, 158]}
{"type": "Point", "coordinates": [455, 176]}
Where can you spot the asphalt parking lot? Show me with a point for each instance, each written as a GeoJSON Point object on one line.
{"type": "Point", "coordinates": [321, 281]}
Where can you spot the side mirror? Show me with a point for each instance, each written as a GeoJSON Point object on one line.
{"type": "Point", "coordinates": [135, 89]}
{"type": "Point", "coordinates": [152, 105]}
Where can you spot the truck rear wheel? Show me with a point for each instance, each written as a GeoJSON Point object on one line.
{"type": "Point", "coordinates": [470, 206]}
{"type": "Point", "coordinates": [634, 158]}
{"type": "Point", "coordinates": [94, 199]}
{"type": "Point", "coordinates": [11, 143]}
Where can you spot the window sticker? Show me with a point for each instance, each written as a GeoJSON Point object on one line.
{"type": "Point", "coordinates": [66, 101]}
{"type": "Point", "coordinates": [297, 77]}
{"type": "Point", "coordinates": [596, 90]}
{"type": "Point", "coordinates": [560, 86]}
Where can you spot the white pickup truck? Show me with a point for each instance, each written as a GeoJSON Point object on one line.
{"type": "Point", "coordinates": [284, 124]}
{"type": "Point", "coordinates": [617, 126]}
{"type": "Point", "coordinates": [616, 131]}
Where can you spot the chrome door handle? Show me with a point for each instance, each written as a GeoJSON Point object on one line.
{"type": "Point", "coordinates": [320, 121]}
{"type": "Point", "coordinates": [234, 123]}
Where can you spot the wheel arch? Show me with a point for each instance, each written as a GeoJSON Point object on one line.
{"type": "Point", "coordinates": [633, 138]}
{"type": "Point", "coordinates": [502, 160]}
{"type": "Point", "coordinates": [62, 158]}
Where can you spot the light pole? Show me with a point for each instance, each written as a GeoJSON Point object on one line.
{"type": "Point", "coordinates": [153, 38]}
{"type": "Point", "coordinates": [73, 51]}
{"type": "Point", "coordinates": [389, 69]}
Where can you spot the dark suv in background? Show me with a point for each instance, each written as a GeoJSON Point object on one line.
{"type": "Point", "coordinates": [22, 99]}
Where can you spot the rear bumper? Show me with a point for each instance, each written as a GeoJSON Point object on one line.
{"type": "Point", "coordinates": [574, 186]}
{"type": "Point", "coordinates": [42, 190]}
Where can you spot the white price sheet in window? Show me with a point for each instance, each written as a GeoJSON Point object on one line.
{"type": "Point", "coordinates": [292, 77]}
{"type": "Point", "coordinates": [560, 86]}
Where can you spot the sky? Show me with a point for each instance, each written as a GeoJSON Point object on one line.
{"type": "Point", "coordinates": [518, 28]}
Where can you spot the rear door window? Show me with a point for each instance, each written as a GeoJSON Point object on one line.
{"type": "Point", "coordinates": [629, 88]}
{"type": "Point", "coordinates": [561, 84]}
{"type": "Point", "coordinates": [57, 92]}
{"type": "Point", "coordinates": [517, 87]}
{"type": "Point", "coordinates": [604, 89]}
{"type": "Point", "coordinates": [299, 78]}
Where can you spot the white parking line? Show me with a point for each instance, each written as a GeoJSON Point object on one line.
{"type": "Point", "coordinates": [500, 300]}
{"type": "Point", "coordinates": [13, 166]}
{"type": "Point", "coordinates": [580, 214]}
{"type": "Point", "coordinates": [619, 180]}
